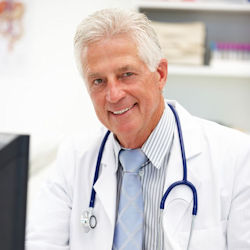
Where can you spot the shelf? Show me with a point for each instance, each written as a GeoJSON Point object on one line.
{"type": "Point", "coordinates": [230, 71]}
{"type": "Point", "coordinates": [224, 22]}
{"type": "Point", "coordinates": [206, 6]}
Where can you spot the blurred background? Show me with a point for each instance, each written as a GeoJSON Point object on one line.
{"type": "Point", "coordinates": [207, 44]}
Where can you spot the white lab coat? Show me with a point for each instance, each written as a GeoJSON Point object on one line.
{"type": "Point", "coordinates": [218, 162]}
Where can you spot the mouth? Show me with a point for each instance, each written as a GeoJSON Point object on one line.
{"type": "Point", "coordinates": [122, 111]}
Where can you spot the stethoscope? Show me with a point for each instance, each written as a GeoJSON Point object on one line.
{"type": "Point", "coordinates": [88, 219]}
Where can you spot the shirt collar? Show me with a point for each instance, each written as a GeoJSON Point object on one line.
{"type": "Point", "coordinates": [158, 144]}
{"type": "Point", "coordinates": [117, 147]}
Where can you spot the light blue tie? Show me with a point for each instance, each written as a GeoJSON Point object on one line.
{"type": "Point", "coordinates": [129, 225]}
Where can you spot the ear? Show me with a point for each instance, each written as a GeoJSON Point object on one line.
{"type": "Point", "coordinates": [162, 71]}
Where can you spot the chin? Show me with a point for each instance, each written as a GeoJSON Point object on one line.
{"type": "Point", "coordinates": [125, 130]}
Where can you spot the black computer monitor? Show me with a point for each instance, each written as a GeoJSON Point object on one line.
{"type": "Point", "coordinates": [14, 155]}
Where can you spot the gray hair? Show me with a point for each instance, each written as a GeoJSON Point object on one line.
{"type": "Point", "coordinates": [110, 22]}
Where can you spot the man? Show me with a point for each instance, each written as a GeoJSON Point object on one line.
{"type": "Point", "coordinates": [120, 59]}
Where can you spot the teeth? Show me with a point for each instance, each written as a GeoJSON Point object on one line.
{"type": "Point", "coordinates": [122, 111]}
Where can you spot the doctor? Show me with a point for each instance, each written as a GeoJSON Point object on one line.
{"type": "Point", "coordinates": [120, 59]}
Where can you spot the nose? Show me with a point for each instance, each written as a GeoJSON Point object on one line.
{"type": "Point", "coordinates": [114, 92]}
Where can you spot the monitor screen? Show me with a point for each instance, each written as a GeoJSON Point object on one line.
{"type": "Point", "coordinates": [14, 155]}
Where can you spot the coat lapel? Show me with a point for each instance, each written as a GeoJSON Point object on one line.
{"type": "Point", "coordinates": [177, 214]}
{"type": "Point", "coordinates": [106, 185]}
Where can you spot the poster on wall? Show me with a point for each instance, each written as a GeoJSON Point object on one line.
{"type": "Point", "coordinates": [12, 32]}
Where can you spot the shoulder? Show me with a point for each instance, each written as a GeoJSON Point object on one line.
{"type": "Point", "coordinates": [76, 151]}
{"type": "Point", "coordinates": [214, 133]}
{"type": "Point", "coordinates": [81, 144]}
{"type": "Point", "coordinates": [229, 138]}
{"type": "Point", "coordinates": [228, 148]}
{"type": "Point", "coordinates": [222, 144]}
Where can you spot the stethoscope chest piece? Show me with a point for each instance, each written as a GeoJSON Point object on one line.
{"type": "Point", "coordinates": [88, 220]}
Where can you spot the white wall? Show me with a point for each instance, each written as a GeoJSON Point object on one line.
{"type": "Point", "coordinates": [41, 92]}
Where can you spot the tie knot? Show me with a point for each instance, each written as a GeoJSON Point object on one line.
{"type": "Point", "coordinates": [132, 159]}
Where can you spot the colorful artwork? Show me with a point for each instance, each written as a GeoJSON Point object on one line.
{"type": "Point", "coordinates": [11, 29]}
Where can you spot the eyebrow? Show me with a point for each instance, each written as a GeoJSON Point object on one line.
{"type": "Point", "coordinates": [93, 75]}
{"type": "Point", "coordinates": [125, 68]}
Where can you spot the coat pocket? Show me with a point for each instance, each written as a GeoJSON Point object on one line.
{"type": "Point", "coordinates": [213, 238]}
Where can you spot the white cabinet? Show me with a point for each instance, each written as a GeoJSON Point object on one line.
{"type": "Point", "coordinates": [219, 93]}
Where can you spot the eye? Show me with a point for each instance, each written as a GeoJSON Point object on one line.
{"type": "Point", "coordinates": [127, 74]}
{"type": "Point", "coordinates": [97, 81]}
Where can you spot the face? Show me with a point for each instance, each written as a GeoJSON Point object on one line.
{"type": "Point", "coordinates": [127, 97]}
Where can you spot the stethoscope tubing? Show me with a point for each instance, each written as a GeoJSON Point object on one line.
{"type": "Point", "coordinates": [98, 164]}
{"type": "Point", "coordinates": [184, 181]}
{"type": "Point", "coordinates": [183, 154]}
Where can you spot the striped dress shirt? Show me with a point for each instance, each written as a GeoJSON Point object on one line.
{"type": "Point", "coordinates": [153, 174]}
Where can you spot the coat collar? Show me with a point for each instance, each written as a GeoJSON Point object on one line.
{"type": "Point", "coordinates": [106, 184]}
{"type": "Point", "coordinates": [191, 131]}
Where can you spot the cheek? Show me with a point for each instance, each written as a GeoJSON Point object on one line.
{"type": "Point", "coordinates": [96, 100]}
{"type": "Point", "coordinates": [151, 100]}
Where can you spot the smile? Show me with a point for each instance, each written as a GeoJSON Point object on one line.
{"type": "Point", "coordinates": [119, 112]}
